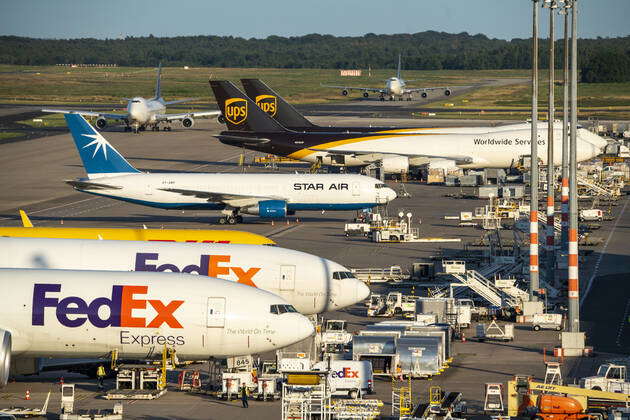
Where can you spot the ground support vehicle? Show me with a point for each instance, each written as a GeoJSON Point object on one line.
{"type": "Point", "coordinates": [610, 377]}
{"type": "Point", "coordinates": [494, 331]}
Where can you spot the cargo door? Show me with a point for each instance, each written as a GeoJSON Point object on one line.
{"type": "Point", "coordinates": [356, 190]}
{"type": "Point", "coordinates": [216, 312]}
{"type": "Point", "coordinates": [287, 277]}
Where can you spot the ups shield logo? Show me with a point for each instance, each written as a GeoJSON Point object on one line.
{"type": "Point", "coordinates": [236, 110]}
{"type": "Point", "coordinates": [268, 103]}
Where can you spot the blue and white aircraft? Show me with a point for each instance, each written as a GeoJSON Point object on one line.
{"type": "Point", "coordinates": [265, 195]}
{"type": "Point", "coordinates": [143, 113]}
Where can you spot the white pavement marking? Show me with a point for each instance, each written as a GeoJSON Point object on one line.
{"type": "Point", "coordinates": [622, 325]}
{"type": "Point", "coordinates": [601, 255]}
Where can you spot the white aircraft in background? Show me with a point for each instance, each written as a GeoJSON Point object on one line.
{"type": "Point", "coordinates": [80, 314]}
{"type": "Point", "coordinates": [310, 283]}
{"type": "Point", "coordinates": [394, 87]}
{"type": "Point", "coordinates": [265, 195]}
{"type": "Point", "coordinates": [143, 113]}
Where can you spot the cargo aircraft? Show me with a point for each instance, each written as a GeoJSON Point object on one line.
{"type": "Point", "coordinates": [266, 195]}
{"type": "Point", "coordinates": [89, 314]}
{"type": "Point", "coordinates": [395, 150]}
{"type": "Point", "coordinates": [395, 87]}
{"type": "Point", "coordinates": [143, 113]}
{"type": "Point", "coordinates": [310, 283]}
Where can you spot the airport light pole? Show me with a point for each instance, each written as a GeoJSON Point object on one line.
{"type": "Point", "coordinates": [573, 283]}
{"type": "Point", "coordinates": [550, 249]}
{"type": "Point", "coordinates": [564, 194]}
{"type": "Point", "coordinates": [534, 273]}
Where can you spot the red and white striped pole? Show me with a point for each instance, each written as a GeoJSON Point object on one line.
{"type": "Point", "coordinates": [550, 247]}
{"type": "Point", "coordinates": [534, 279]}
{"type": "Point", "coordinates": [573, 284]}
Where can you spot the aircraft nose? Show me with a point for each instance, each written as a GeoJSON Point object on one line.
{"type": "Point", "coordinates": [351, 291]}
{"type": "Point", "coordinates": [296, 327]}
{"type": "Point", "coordinates": [363, 291]}
{"type": "Point", "coordinates": [391, 194]}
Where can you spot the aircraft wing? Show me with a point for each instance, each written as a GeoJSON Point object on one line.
{"type": "Point", "coordinates": [460, 160]}
{"type": "Point", "coordinates": [88, 113]}
{"type": "Point", "coordinates": [364, 89]}
{"type": "Point", "coordinates": [424, 89]}
{"type": "Point", "coordinates": [179, 101]}
{"type": "Point", "coordinates": [234, 200]}
{"type": "Point", "coordinates": [178, 117]}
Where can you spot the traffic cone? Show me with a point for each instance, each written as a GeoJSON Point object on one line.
{"type": "Point", "coordinates": [463, 338]}
{"type": "Point", "coordinates": [271, 222]}
{"type": "Point", "coordinates": [28, 395]}
{"type": "Point", "coordinates": [61, 381]}
{"type": "Point", "coordinates": [287, 221]}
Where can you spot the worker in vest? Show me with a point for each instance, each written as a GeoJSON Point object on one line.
{"type": "Point", "coordinates": [100, 375]}
{"type": "Point", "coordinates": [244, 396]}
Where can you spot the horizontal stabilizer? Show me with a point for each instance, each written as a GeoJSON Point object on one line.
{"type": "Point", "coordinates": [241, 140]}
{"type": "Point", "coordinates": [87, 185]}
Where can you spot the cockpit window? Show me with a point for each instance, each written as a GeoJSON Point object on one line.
{"type": "Point", "coordinates": [340, 275]}
{"type": "Point", "coordinates": [136, 101]}
{"type": "Point", "coordinates": [380, 186]}
{"type": "Point", "coordinates": [281, 309]}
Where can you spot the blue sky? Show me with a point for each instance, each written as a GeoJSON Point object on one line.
{"type": "Point", "coordinates": [505, 19]}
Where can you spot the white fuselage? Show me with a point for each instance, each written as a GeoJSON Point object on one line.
{"type": "Point", "coordinates": [142, 111]}
{"type": "Point", "coordinates": [499, 147]}
{"type": "Point", "coordinates": [68, 313]}
{"type": "Point", "coordinates": [395, 86]}
{"type": "Point", "coordinates": [300, 191]}
{"type": "Point", "coordinates": [306, 281]}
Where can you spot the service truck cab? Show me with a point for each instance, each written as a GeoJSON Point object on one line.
{"type": "Point", "coordinates": [609, 377]}
{"type": "Point", "coordinates": [348, 377]}
{"type": "Point", "coordinates": [377, 305]}
{"type": "Point", "coordinates": [398, 304]}
{"type": "Point", "coordinates": [335, 337]}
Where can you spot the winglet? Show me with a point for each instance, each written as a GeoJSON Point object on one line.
{"type": "Point", "coordinates": [26, 222]}
{"type": "Point", "coordinates": [100, 159]}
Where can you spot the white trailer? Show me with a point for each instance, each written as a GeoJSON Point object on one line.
{"type": "Point", "coordinates": [494, 331]}
{"type": "Point", "coordinates": [591, 215]}
{"type": "Point", "coordinates": [547, 322]}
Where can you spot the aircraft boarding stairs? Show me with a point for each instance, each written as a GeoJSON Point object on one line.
{"type": "Point", "coordinates": [597, 189]}
{"type": "Point", "coordinates": [498, 292]}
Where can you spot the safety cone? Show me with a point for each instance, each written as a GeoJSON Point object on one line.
{"type": "Point", "coordinates": [28, 395]}
{"type": "Point", "coordinates": [61, 381]}
{"type": "Point", "coordinates": [272, 223]}
{"type": "Point", "coordinates": [463, 338]}
{"type": "Point", "coordinates": [287, 221]}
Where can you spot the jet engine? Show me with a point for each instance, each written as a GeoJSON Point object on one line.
{"type": "Point", "coordinates": [221, 119]}
{"type": "Point", "coordinates": [424, 94]}
{"type": "Point", "coordinates": [344, 92]}
{"type": "Point", "coordinates": [395, 164]}
{"type": "Point", "coordinates": [101, 123]}
{"type": "Point", "coordinates": [188, 122]}
{"type": "Point", "coordinates": [270, 209]}
{"type": "Point", "coordinates": [366, 94]}
{"type": "Point", "coordinates": [447, 92]}
{"type": "Point", "coordinates": [5, 357]}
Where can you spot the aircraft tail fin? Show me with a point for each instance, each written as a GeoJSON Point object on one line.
{"type": "Point", "coordinates": [274, 105]}
{"type": "Point", "coordinates": [26, 221]}
{"type": "Point", "coordinates": [100, 158]}
{"type": "Point", "coordinates": [158, 82]}
{"type": "Point", "coordinates": [399, 65]}
{"type": "Point", "coordinates": [240, 112]}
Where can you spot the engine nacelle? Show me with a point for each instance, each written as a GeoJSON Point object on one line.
{"type": "Point", "coordinates": [188, 122]}
{"type": "Point", "coordinates": [344, 92]}
{"type": "Point", "coordinates": [221, 119]}
{"type": "Point", "coordinates": [5, 357]}
{"type": "Point", "coordinates": [101, 123]}
{"type": "Point", "coordinates": [447, 92]}
{"type": "Point", "coordinates": [269, 209]}
{"type": "Point", "coordinates": [395, 164]}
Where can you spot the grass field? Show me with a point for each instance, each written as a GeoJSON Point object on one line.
{"type": "Point", "coordinates": [55, 85]}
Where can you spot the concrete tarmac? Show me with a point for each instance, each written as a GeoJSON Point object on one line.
{"type": "Point", "coordinates": [33, 174]}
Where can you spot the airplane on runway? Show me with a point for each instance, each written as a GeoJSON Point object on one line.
{"type": "Point", "coordinates": [395, 149]}
{"type": "Point", "coordinates": [87, 314]}
{"type": "Point", "coordinates": [394, 87]}
{"type": "Point", "coordinates": [310, 283]}
{"type": "Point", "coordinates": [266, 195]}
{"type": "Point", "coordinates": [143, 113]}
{"type": "Point", "coordinates": [204, 236]}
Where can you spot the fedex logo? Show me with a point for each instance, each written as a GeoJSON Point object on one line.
{"type": "Point", "coordinates": [73, 311]}
{"type": "Point", "coordinates": [209, 265]}
{"type": "Point", "coordinates": [345, 373]}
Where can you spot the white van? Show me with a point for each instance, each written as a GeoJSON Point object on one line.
{"type": "Point", "coordinates": [348, 377]}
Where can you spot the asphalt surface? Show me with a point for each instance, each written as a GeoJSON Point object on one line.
{"type": "Point", "coordinates": [33, 172]}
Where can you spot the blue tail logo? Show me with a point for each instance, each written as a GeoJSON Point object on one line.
{"type": "Point", "coordinates": [98, 161]}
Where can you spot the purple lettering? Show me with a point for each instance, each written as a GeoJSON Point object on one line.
{"type": "Point", "coordinates": [141, 259]}
{"type": "Point", "coordinates": [40, 301]}
{"type": "Point", "coordinates": [168, 267]}
{"type": "Point", "coordinates": [64, 309]}
{"type": "Point", "coordinates": [201, 269]}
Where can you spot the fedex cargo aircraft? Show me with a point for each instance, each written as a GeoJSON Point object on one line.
{"type": "Point", "coordinates": [68, 313]}
{"type": "Point", "coordinates": [311, 284]}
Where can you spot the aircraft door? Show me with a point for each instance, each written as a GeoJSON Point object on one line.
{"type": "Point", "coordinates": [356, 189]}
{"type": "Point", "coordinates": [216, 312]}
{"type": "Point", "coordinates": [287, 277]}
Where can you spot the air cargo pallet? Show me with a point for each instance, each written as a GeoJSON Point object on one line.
{"type": "Point", "coordinates": [135, 394]}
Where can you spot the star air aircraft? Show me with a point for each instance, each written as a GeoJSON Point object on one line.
{"type": "Point", "coordinates": [143, 113]}
{"type": "Point", "coordinates": [203, 236]}
{"type": "Point", "coordinates": [310, 283]}
{"type": "Point", "coordinates": [265, 195]}
{"type": "Point", "coordinates": [89, 314]}
{"type": "Point", "coordinates": [395, 87]}
{"type": "Point", "coordinates": [396, 150]}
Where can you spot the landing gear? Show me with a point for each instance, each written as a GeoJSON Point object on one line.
{"type": "Point", "coordinates": [231, 219]}
{"type": "Point", "coordinates": [167, 128]}
{"type": "Point", "coordinates": [127, 129]}
{"type": "Point", "coordinates": [382, 98]}
{"type": "Point", "coordinates": [155, 128]}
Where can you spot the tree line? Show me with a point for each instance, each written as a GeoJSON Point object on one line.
{"type": "Point", "coordinates": [601, 59]}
